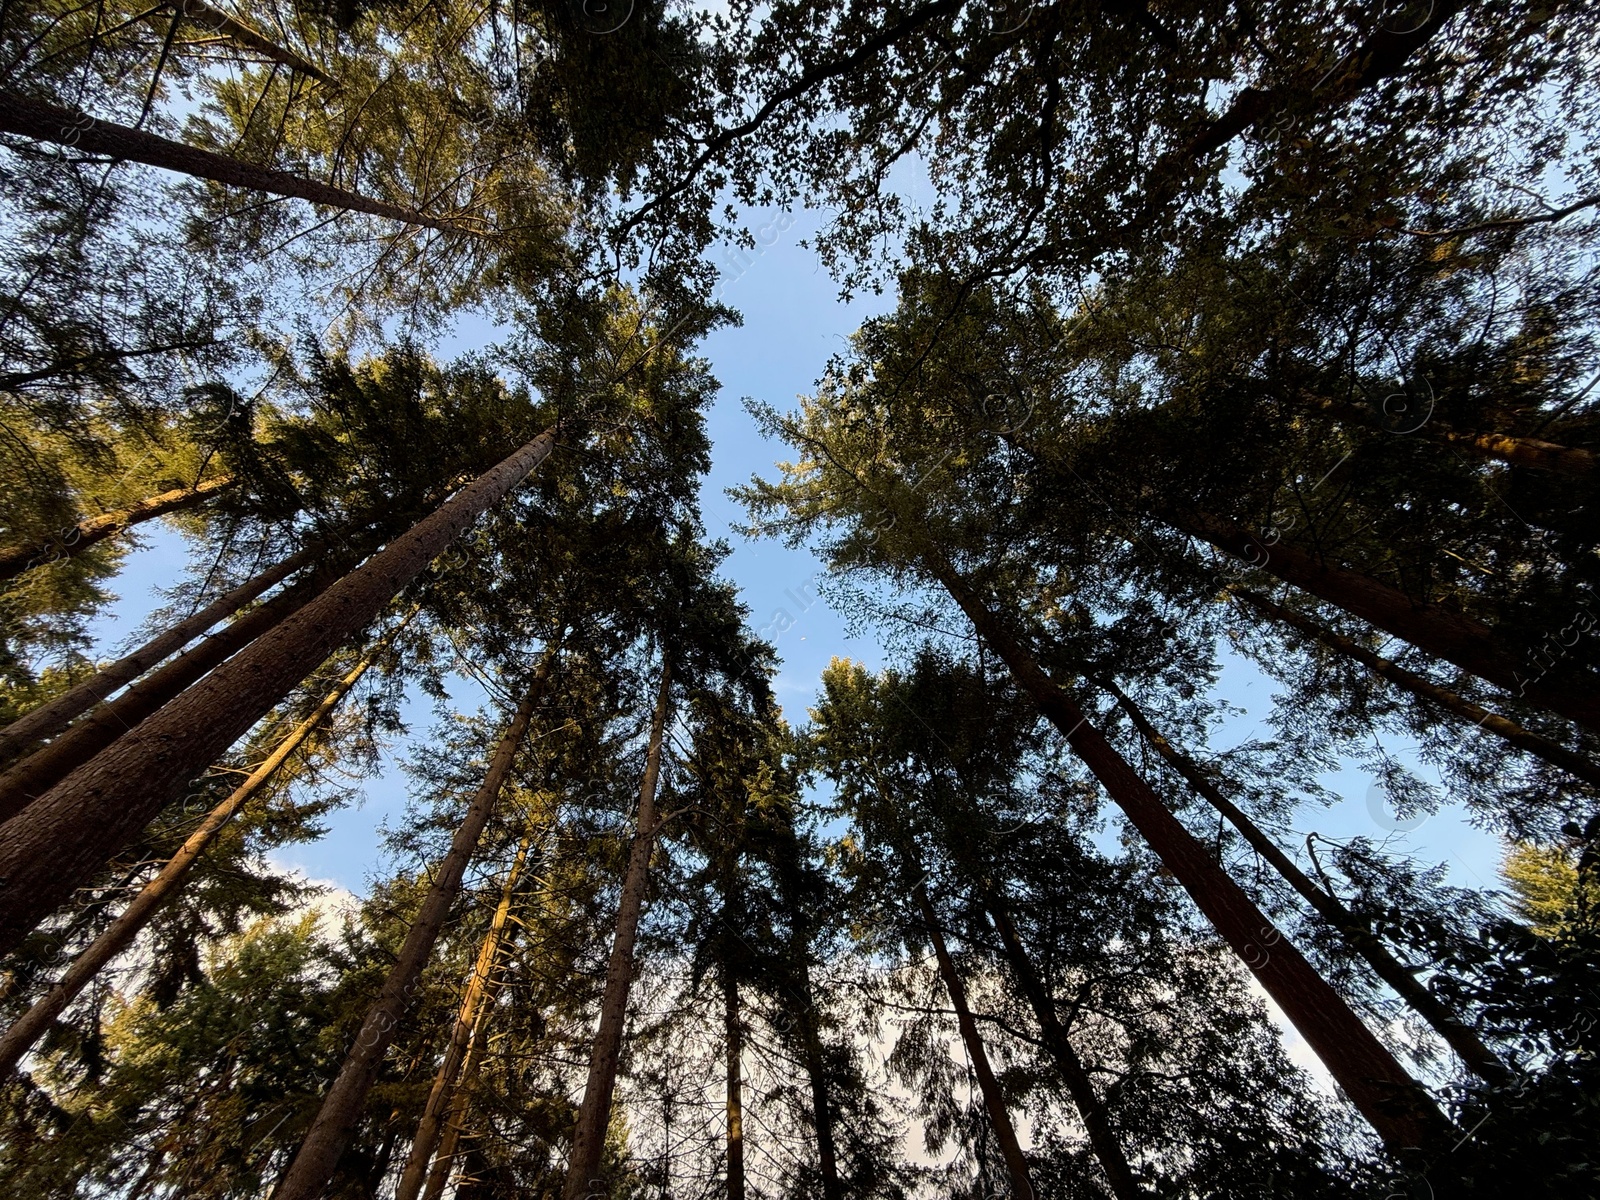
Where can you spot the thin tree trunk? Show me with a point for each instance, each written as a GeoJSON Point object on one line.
{"type": "Point", "coordinates": [460, 1102]}
{"type": "Point", "coordinates": [46, 123]}
{"type": "Point", "coordinates": [733, 1038]}
{"type": "Point", "coordinates": [69, 833]}
{"type": "Point", "coordinates": [1355, 932]}
{"type": "Point", "coordinates": [245, 35]}
{"type": "Point", "coordinates": [325, 1141]}
{"type": "Point", "coordinates": [36, 774]}
{"type": "Point", "coordinates": [91, 531]}
{"type": "Point", "coordinates": [993, 1102]}
{"type": "Point", "coordinates": [821, 1101]}
{"type": "Point", "coordinates": [1096, 1121]}
{"type": "Point", "coordinates": [119, 935]}
{"type": "Point", "coordinates": [477, 991]}
{"type": "Point", "coordinates": [1393, 1103]}
{"type": "Point", "coordinates": [1517, 735]}
{"type": "Point", "coordinates": [1461, 640]}
{"type": "Point", "coordinates": [594, 1114]}
{"type": "Point", "coordinates": [23, 734]}
{"type": "Point", "coordinates": [1527, 452]}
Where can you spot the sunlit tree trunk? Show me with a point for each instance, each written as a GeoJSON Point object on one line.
{"type": "Point", "coordinates": [1502, 726]}
{"type": "Point", "coordinates": [594, 1113]}
{"type": "Point", "coordinates": [319, 1154]}
{"type": "Point", "coordinates": [91, 531]}
{"type": "Point", "coordinates": [47, 766]}
{"type": "Point", "coordinates": [988, 1086]}
{"type": "Point", "coordinates": [1530, 453]}
{"type": "Point", "coordinates": [31, 118]}
{"type": "Point", "coordinates": [69, 833]}
{"type": "Point", "coordinates": [119, 935]}
{"type": "Point", "coordinates": [1393, 1103]}
{"type": "Point", "coordinates": [23, 734]}
{"type": "Point", "coordinates": [479, 989]}
{"type": "Point", "coordinates": [237, 31]}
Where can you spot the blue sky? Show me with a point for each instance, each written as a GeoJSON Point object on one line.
{"type": "Point", "coordinates": [793, 323]}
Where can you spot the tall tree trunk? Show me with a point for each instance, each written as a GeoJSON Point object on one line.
{"type": "Point", "coordinates": [1517, 735]}
{"type": "Point", "coordinates": [1392, 1102]}
{"type": "Point", "coordinates": [594, 1114]}
{"type": "Point", "coordinates": [733, 1046]}
{"type": "Point", "coordinates": [1531, 453]}
{"type": "Point", "coordinates": [476, 995]}
{"type": "Point", "coordinates": [119, 935]}
{"type": "Point", "coordinates": [91, 531]}
{"type": "Point", "coordinates": [325, 1141]}
{"type": "Point", "coordinates": [1461, 640]}
{"type": "Point", "coordinates": [993, 1102]}
{"type": "Point", "coordinates": [36, 774]}
{"type": "Point", "coordinates": [1357, 934]}
{"type": "Point", "coordinates": [821, 1099]}
{"type": "Point", "coordinates": [69, 833]}
{"type": "Point", "coordinates": [1096, 1121]}
{"type": "Point", "coordinates": [23, 735]}
{"type": "Point", "coordinates": [46, 123]}
{"type": "Point", "coordinates": [245, 35]}
{"type": "Point", "coordinates": [455, 1123]}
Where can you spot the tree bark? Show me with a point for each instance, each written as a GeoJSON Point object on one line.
{"type": "Point", "coordinates": [22, 735]}
{"type": "Point", "coordinates": [1531, 453]}
{"type": "Point", "coordinates": [69, 833]}
{"type": "Point", "coordinates": [993, 1102]}
{"type": "Point", "coordinates": [36, 774]}
{"type": "Point", "coordinates": [237, 31]}
{"type": "Point", "coordinates": [119, 935]}
{"type": "Point", "coordinates": [1355, 932]}
{"type": "Point", "coordinates": [455, 1123]}
{"type": "Point", "coordinates": [1401, 1112]}
{"type": "Point", "coordinates": [1461, 640]}
{"type": "Point", "coordinates": [733, 1039]}
{"type": "Point", "coordinates": [594, 1114]}
{"type": "Point", "coordinates": [325, 1141]}
{"type": "Point", "coordinates": [46, 123]}
{"type": "Point", "coordinates": [476, 995]}
{"type": "Point", "coordinates": [1517, 735]}
{"type": "Point", "coordinates": [91, 531]}
{"type": "Point", "coordinates": [1096, 1121]}
{"type": "Point", "coordinates": [821, 1100]}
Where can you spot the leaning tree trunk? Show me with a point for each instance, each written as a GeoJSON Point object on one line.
{"type": "Point", "coordinates": [1394, 1104]}
{"type": "Point", "coordinates": [22, 735]}
{"type": "Point", "coordinates": [40, 771]}
{"type": "Point", "coordinates": [1502, 726]}
{"type": "Point", "coordinates": [1357, 934]}
{"type": "Point", "coordinates": [119, 935]}
{"type": "Point", "coordinates": [733, 1046]}
{"type": "Point", "coordinates": [91, 531]}
{"type": "Point", "coordinates": [1530, 453]}
{"type": "Point", "coordinates": [319, 1154]}
{"type": "Point", "coordinates": [46, 123]}
{"type": "Point", "coordinates": [1096, 1121]}
{"type": "Point", "coordinates": [455, 1122]}
{"type": "Point", "coordinates": [594, 1114]}
{"type": "Point", "coordinates": [69, 833]}
{"type": "Point", "coordinates": [993, 1102]}
{"type": "Point", "coordinates": [472, 1000]}
{"type": "Point", "coordinates": [1469, 644]}
{"type": "Point", "coordinates": [236, 30]}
